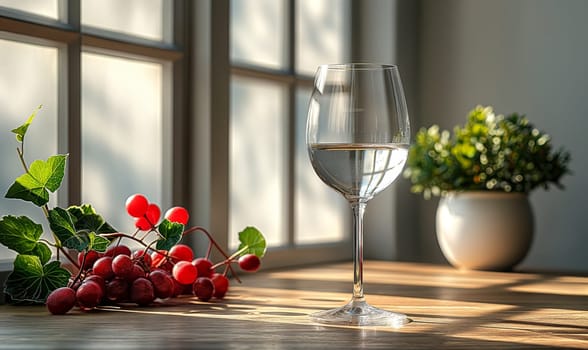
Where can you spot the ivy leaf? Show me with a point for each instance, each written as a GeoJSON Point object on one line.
{"type": "Point", "coordinates": [22, 130]}
{"type": "Point", "coordinates": [170, 232]}
{"type": "Point", "coordinates": [32, 281]}
{"type": "Point", "coordinates": [62, 225]}
{"type": "Point", "coordinates": [85, 218]}
{"type": "Point", "coordinates": [97, 243]}
{"type": "Point", "coordinates": [253, 241]}
{"type": "Point", "coordinates": [78, 232]}
{"type": "Point", "coordinates": [21, 234]}
{"type": "Point", "coordinates": [78, 211]}
{"type": "Point", "coordinates": [89, 225]}
{"type": "Point", "coordinates": [43, 176]}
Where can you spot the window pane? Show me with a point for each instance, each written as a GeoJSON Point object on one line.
{"type": "Point", "coordinates": [322, 33]}
{"type": "Point", "coordinates": [258, 159]}
{"type": "Point", "coordinates": [258, 32]}
{"type": "Point", "coordinates": [121, 134]}
{"type": "Point", "coordinates": [45, 8]}
{"type": "Point", "coordinates": [144, 18]}
{"type": "Point", "coordinates": [321, 214]}
{"type": "Point", "coordinates": [28, 78]}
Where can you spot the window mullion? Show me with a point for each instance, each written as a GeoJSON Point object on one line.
{"type": "Point", "coordinates": [178, 96]}
{"type": "Point", "coordinates": [291, 18]}
{"type": "Point", "coordinates": [291, 166]}
{"type": "Point", "coordinates": [70, 109]}
{"type": "Point", "coordinates": [219, 123]}
{"type": "Point", "coordinates": [291, 115]}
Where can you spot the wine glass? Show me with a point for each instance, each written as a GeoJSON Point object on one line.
{"type": "Point", "coordinates": [357, 135]}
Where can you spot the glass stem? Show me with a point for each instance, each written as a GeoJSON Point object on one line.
{"type": "Point", "coordinates": [358, 208]}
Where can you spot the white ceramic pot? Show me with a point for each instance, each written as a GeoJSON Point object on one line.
{"type": "Point", "coordinates": [484, 230]}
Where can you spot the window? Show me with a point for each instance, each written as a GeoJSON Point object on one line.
{"type": "Point", "coordinates": [106, 75]}
{"type": "Point", "coordinates": [119, 83]}
{"type": "Point", "coordinates": [275, 47]}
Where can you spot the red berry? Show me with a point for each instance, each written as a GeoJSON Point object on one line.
{"type": "Point", "coordinates": [117, 290]}
{"type": "Point", "coordinates": [137, 205]}
{"type": "Point", "coordinates": [137, 272]}
{"type": "Point", "coordinates": [184, 272]}
{"type": "Point", "coordinates": [122, 266]}
{"type": "Point", "coordinates": [98, 279]}
{"type": "Point", "coordinates": [204, 267]}
{"type": "Point", "coordinates": [61, 300]}
{"type": "Point", "coordinates": [157, 258]}
{"type": "Point", "coordinates": [177, 214]}
{"type": "Point", "coordinates": [163, 283]}
{"type": "Point", "coordinates": [150, 219]}
{"type": "Point", "coordinates": [142, 224]}
{"type": "Point", "coordinates": [181, 252]}
{"type": "Point", "coordinates": [89, 295]}
{"type": "Point", "coordinates": [203, 288]}
{"type": "Point", "coordinates": [167, 266]}
{"type": "Point", "coordinates": [103, 268]}
{"type": "Point", "coordinates": [221, 285]}
{"type": "Point", "coordinates": [91, 257]}
{"type": "Point", "coordinates": [179, 288]}
{"type": "Point", "coordinates": [142, 291]}
{"type": "Point", "coordinates": [153, 214]}
{"type": "Point", "coordinates": [142, 256]}
{"type": "Point", "coordinates": [249, 262]}
{"type": "Point", "coordinates": [117, 249]}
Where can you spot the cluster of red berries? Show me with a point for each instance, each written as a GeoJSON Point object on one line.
{"type": "Point", "coordinates": [119, 276]}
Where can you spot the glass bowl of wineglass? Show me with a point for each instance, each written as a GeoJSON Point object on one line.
{"type": "Point", "coordinates": [357, 135]}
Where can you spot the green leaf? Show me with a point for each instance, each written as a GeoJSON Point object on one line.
{"type": "Point", "coordinates": [43, 176]}
{"type": "Point", "coordinates": [28, 189]}
{"type": "Point", "coordinates": [22, 235]}
{"type": "Point", "coordinates": [79, 210]}
{"type": "Point", "coordinates": [253, 241]}
{"type": "Point", "coordinates": [22, 130]}
{"type": "Point", "coordinates": [49, 173]}
{"type": "Point", "coordinates": [79, 230]}
{"type": "Point", "coordinates": [32, 281]}
{"type": "Point", "coordinates": [170, 232]}
{"type": "Point", "coordinates": [97, 243]}
{"type": "Point", "coordinates": [89, 225]}
{"type": "Point", "coordinates": [62, 225]}
{"type": "Point", "coordinates": [86, 218]}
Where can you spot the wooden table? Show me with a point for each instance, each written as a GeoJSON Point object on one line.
{"type": "Point", "coordinates": [450, 309]}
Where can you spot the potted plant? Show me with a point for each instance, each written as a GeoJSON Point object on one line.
{"type": "Point", "coordinates": [483, 173]}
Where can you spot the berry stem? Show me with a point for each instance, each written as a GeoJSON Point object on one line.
{"type": "Point", "coordinates": [208, 250]}
{"type": "Point", "coordinates": [136, 232]}
{"type": "Point", "coordinates": [121, 235]}
{"type": "Point", "coordinates": [212, 241]}
{"type": "Point", "coordinates": [80, 270]}
{"type": "Point", "coordinates": [74, 262]}
{"type": "Point", "coordinates": [231, 258]}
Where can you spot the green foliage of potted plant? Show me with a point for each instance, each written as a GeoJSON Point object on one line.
{"type": "Point", "coordinates": [483, 173]}
{"type": "Point", "coordinates": [489, 153]}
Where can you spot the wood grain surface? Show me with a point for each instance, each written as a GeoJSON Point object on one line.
{"type": "Point", "coordinates": [450, 309]}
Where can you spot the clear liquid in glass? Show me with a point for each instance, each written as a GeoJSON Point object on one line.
{"type": "Point", "coordinates": [358, 171]}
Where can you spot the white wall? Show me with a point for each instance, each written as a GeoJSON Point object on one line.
{"type": "Point", "coordinates": [527, 56]}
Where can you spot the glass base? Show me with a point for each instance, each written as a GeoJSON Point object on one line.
{"type": "Point", "coordinates": [360, 313]}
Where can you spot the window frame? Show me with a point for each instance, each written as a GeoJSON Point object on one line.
{"type": "Point", "coordinates": [199, 97]}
